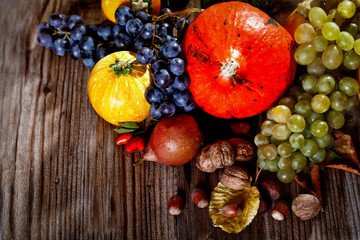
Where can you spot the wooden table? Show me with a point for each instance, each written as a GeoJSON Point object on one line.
{"type": "Point", "coordinates": [63, 177]}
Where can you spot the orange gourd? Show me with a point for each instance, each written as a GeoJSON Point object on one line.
{"type": "Point", "coordinates": [117, 86]}
{"type": "Point", "coordinates": [240, 61]}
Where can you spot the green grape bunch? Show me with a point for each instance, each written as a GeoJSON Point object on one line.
{"type": "Point", "coordinates": [298, 129]}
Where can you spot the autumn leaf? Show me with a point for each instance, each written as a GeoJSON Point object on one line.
{"type": "Point", "coordinates": [344, 146]}
{"type": "Point", "coordinates": [343, 167]}
{"type": "Point", "coordinates": [316, 183]}
{"type": "Point", "coordinates": [248, 199]}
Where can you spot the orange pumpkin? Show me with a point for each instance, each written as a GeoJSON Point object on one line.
{"type": "Point", "coordinates": [240, 61]}
{"type": "Point", "coordinates": [109, 7]}
{"type": "Point", "coordinates": [117, 87]}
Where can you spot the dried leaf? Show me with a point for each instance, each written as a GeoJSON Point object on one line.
{"type": "Point", "coordinates": [305, 186]}
{"type": "Point", "coordinates": [344, 146]}
{"type": "Point", "coordinates": [315, 181]}
{"type": "Point", "coordinates": [343, 167]}
{"type": "Point", "coordinates": [249, 200]}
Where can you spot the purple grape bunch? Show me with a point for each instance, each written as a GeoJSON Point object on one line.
{"type": "Point", "coordinates": [153, 42]}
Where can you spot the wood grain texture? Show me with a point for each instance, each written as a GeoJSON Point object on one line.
{"type": "Point", "coordinates": [63, 177]}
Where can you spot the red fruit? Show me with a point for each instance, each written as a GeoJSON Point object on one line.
{"type": "Point", "coordinates": [239, 60]}
{"type": "Point", "coordinates": [174, 141]}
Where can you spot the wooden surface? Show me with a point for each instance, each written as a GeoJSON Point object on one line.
{"type": "Point", "coordinates": [63, 177]}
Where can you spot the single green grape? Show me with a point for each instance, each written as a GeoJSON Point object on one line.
{"type": "Point", "coordinates": [304, 96]}
{"type": "Point", "coordinates": [346, 9]}
{"type": "Point", "coordinates": [310, 148]}
{"type": "Point", "coordinates": [304, 33]}
{"type": "Point", "coordinates": [319, 156]}
{"type": "Point", "coordinates": [286, 175]}
{"type": "Point", "coordinates": [320, 43]}
{"type": "Point", "coordinates": [284, 149]}
{"type": "Point", "coordinates": [271, 165]}
{"type": "Point", "coordinates": [332, 57]}
{"type": "Point", "coordinates": [323, 141]}
{"type": "Point", "coordinates": [325, 84]}
{"type": "Point", "coordinates": [289, 102]}
{"type": "Point", "coordinates": [261, 162]}
{"type": "Point", "coordinates": [357, 46]}
{"type": "Point", "coordinates": [269, 151]}
{"type": "Point", "coordinates": [352, 28]}
{"type": "Point", "coordinates": [280, 131]}
{"type": "Point", "coordinates": [309, 84]}
{"type": "Point", "coordinates": [260, 152]}
{"type": "Point", "coordinates": [330, 31]}
{"type": "Point", "coordinates": [317, 16]}
{"type": "Point", "coordinates": [298, 161]}
{"type": "Point", "coordinates": [297, 140]}
{"type": "Point", "coordinates": [284, 163]}
{"type": "Point", "coordinates": [296, 123]}
{"type": "Point", "coordinates": [316, 67]}
{"type": "Point", "coordinates": [295, 91]}
{"type": "Point", "coordinates": [281, 113]}
{"type": "Point", "coordinates": [314, 116]}
{"type": "Point", "coordinates": [305, 54]}
{"type": "Point", "coordinates": [266, 127]}
{"type": "Point", "coordinates": [319, 128]}
{"type": "Point", "coordinates": [349, 86]}
{"type": "Point", "coordinates": [269, 113]}
{"type": "Point", "coordinates": [338, 101]}
{"type": "Point", "coordinates": [351, 60]}
{"type": "Point", "coordinates": [261, 140]}
{"type": "Point", "coordinates": [335, 119]}
{"type": "Point", "coordinates": [351, 103]}
{"type": "Point", "coordinates": [303, 108]}
{"type": "Point", "coordinates": [345, 41]}
{"type": "Point", "coordinates": [320, 103]}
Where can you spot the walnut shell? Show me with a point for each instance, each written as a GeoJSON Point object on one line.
{"type": "Point", "coordinates": [221, 154]}
{"type": "Point", "coordinates": [234, 177]}
{"type": "Point", "coordinates": [244, 150]}
{"type": "Point", "coordinates": [306, 206]}
{"type": "Point", "coordinates": [216, 155]}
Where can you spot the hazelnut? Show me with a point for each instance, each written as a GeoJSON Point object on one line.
{"type": "Point", "coordinates": [306, 206]}
{"type": "Point", "coordinates": [244, 150]}
{"type": "Point", "coordinates": [234, 177]}
{"type": "Point", "coordinates": [175, 205]}
{"type": "Point", "coordinates": [199, 198]}
{"type": "Point", "coordinates": [231, 210]}
{"type": "Point", "coordinates": [216, 155]}
{"type": "Point", "coordinates": [273, 189]}
{"type": "Point", "coordinates": [280, 210]}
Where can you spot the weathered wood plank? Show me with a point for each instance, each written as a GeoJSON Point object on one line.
{"type": "Point", "coordinates": [62, 176]}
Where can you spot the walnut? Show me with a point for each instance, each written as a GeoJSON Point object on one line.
{"type": "Point", "coordinates": [216, 155]}
{"type": "Point", "coordinates": [306, 206]}
{"type": "Point", "coordinates": [244, 150]}
{"type": "Point", "coordinates": [234, 177]}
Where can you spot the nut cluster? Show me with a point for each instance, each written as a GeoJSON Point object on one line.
{"type": "Point", "coordinates": [224, 153]}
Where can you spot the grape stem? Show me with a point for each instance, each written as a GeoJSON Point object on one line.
{"type": "Point", "coordinates": [187, 12]}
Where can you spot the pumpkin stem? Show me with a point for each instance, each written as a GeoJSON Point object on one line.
{"type": "Point", "coordinates": [122, 67]}
{"type": "Point", "coordinates": [229, 70]}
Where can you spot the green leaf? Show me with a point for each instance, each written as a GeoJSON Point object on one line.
{"type": "Point", "coordinates": [129, 125]}
{"type": "Point", "coordinates": [123, 130]}
{"type": "Point", "coordinates": [334, 155]}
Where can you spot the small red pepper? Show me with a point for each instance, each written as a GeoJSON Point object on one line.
{"type": "Point", "coordinates": [124, 138]}
{"type": "Point", "coordinates": [135, 143]}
